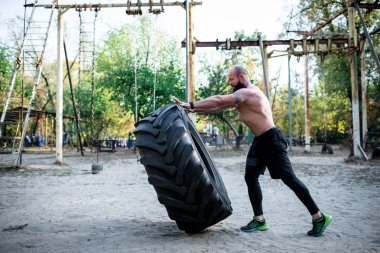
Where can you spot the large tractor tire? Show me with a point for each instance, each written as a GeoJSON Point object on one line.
{"type": "Point", "coordinates": [181, 170]}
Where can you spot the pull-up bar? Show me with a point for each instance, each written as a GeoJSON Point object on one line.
{"type": "Point", "coordinates": [125, 5]}
{"type": "Point", "coordinates": [250, 43]}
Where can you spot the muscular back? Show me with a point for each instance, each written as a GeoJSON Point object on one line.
{"type": "Point", "coordinates": [254, 110]}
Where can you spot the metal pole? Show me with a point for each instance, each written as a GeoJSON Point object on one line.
{"type": "Point", "coordinates": [21, 116]}
{"type": "Point", "coordinates": [59, 105]}
{"type": "Point", "coordinates": [123, 5]}
{"type": "Point", "coordinates": [297, 136]}
{"type": "Point", "coordinates": [263, 57]}
{"type": "Point", "coordinates": [136, 116]}
{"type": "Point", "coordinates": [374, 54]}
{"type": "Point", "coordinates": [290, 107]}
{"type": "Point", "coordinates": [155, 64]}
{"type": "Point", "coordinates": [93, 81]}
{"type": "Point", "coordinates": [324, 106]}
{"type": "Point", "coordinates": [73, 101]}
{"type": "Point", "coordinates": [187, 52]}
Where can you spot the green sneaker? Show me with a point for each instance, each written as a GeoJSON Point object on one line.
{"type": "Point", "coordinates": [255, 225]}
{"type": "Point", "coordinates": [320, 225]}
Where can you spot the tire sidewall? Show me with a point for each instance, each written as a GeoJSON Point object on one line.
{"type": "Point", "coordinates": [204, 156]}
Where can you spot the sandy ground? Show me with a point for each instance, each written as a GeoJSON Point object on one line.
{"type": "Point", "coordinates": [50, 208]}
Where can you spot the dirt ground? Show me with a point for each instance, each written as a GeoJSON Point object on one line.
{"type": "Point", "coordinates": [46, 207]}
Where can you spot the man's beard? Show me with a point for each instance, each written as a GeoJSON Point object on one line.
{"type": "Point", "coordinates": [238, 86]}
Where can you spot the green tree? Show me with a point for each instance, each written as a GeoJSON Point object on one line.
{"type": "Point", "coordinates": [336, 69]}
{"type": "Point", "coordinates": [5, 70]}
{"type": "Point", "coordinates": [132, 52]}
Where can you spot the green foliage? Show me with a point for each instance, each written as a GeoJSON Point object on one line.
{"type": "Point", "coordinates": [158, 63]}
{"type": "Point", "coordinates": [314, 11]}
{"type": "Point", "coordinates": [334, 71]}
{"type": "Point", "coordinates": [5, 70]}
{"type": "Point", "coordinates": [329, 113]}
{"type": "Point", "coordinates": [217, 81]}
{"type": "Point", "coordinates": [336, 74]}
{"type": "Point", "coordinates": [134, 47]}
{"type": "Point", "coordinates": [373, 87]}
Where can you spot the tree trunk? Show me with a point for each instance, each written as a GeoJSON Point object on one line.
{"type": "Point", "coordinates": [236, 133]}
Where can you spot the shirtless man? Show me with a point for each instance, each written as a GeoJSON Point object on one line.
{"type": "Point", "coordinates": [268, 149]}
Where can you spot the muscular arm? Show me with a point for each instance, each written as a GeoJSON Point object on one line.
{"type": "Point", "coordinates": [214, 103]}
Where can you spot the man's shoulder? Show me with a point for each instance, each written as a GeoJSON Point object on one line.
{"type": "Point", "coordinates": [247, 91]}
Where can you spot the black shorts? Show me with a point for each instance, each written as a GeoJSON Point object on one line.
{"type": "Point", "coordinates": [269, 150]}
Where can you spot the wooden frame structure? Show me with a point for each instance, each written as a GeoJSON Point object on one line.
{"type": "Point", "coordinates": [351, 46]}
{"type": "Point", "coordinates": [133, 8]}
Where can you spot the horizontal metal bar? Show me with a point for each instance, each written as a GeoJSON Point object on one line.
{"type": "Point", "coordinates": [265, 43]}
{"type": "Point", "coordinates": [125, 5]}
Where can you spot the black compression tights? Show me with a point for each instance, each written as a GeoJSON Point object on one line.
{"type": "Point", "coordinates": [299, 188]}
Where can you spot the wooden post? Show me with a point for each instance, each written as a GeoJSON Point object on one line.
{"type": "Point", "coordinates": [290, 107]}
{"type": "Point", "coordinates": [354, 86]}
{"type": "Point", "coordinates": [191, 57]}
{"type": "Point", "coordinates": [187, 9]}
{"type": "Point", "coordinates": [307, 106]}
{"type": "Point", "coordinates": [364, 92]}
{"type": "Point", "coordinates": [59, 105]}
{"type": "Point", "coordinates": [46, 130]}
{"type": "Point", "coordinates": [264, 62]}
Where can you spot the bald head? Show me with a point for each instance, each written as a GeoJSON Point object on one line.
{"type": "Point", "coordinates": [238, 70]}
{"type": "Point", "coordinates": [238, 78]}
